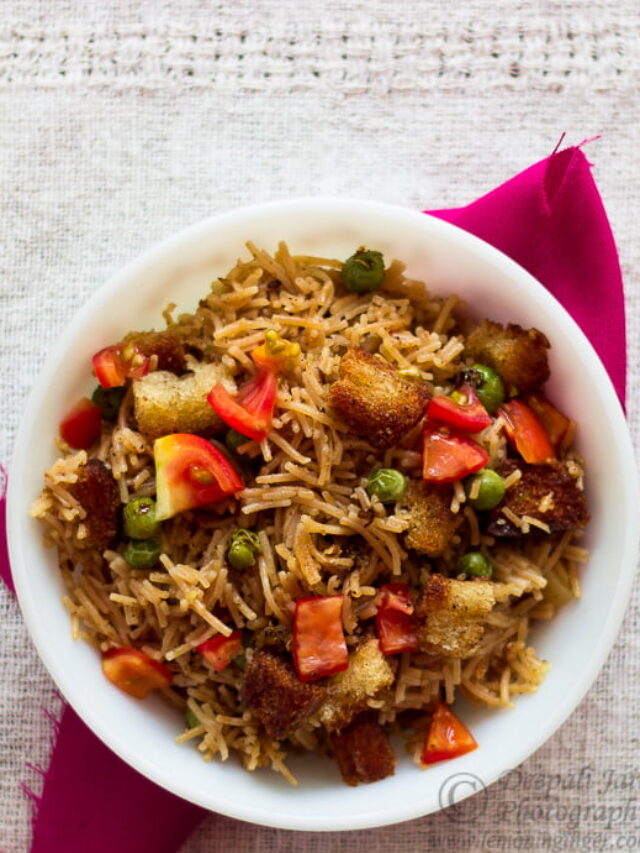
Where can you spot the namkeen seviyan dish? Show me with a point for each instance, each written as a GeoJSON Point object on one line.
{"type": "Point", "coordinates": [317, 509]}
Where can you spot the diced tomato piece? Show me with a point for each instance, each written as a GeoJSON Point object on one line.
{"type": "Point", "coordinates": [276, 354]}
{"type": "Point", "coordinates": [250, 412]}
{"type": "Point", "coordinates": [82, 424]}
{"type": "Point", "coordinates": [319, 646]}
{"type": "Point", "coordinates": [468, 416]}
{"type": "Point", "coordinates": [395, 625]}
{"type": "Point", "coordinates": [219, 651]}
{"type": "Point", "coordinates": [115, 364]}
{"type": "Point", "coordinates": [449, 455]}
{"type": "Point", "coordinates": [395, 596]}
{"type": "Point", "coordinates": [108, 368]}
{"type": "Point", "coordinates": [555, 423]}
{"type": "Point", "coordinates": [190, 472]}
{"type": "Point", "coordinates": [526, 432]}
{"type": "Point", "coordinates": [447, 736]}
{"type": "Point", "coordinates": [134, 672]}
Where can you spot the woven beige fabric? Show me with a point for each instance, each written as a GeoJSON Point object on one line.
{"type": "Point", "coordinates": [127, 122]}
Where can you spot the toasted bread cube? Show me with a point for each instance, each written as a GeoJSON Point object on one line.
{"type": "Point", "coordinates": [347, 693]}
{"type": "Point", "coordinates": [275, 695]}
{"type": "Point", "coordinates": [374, 400]}
{"type": "Point", "coordinates": [545, 492]}
{"type": "Point", "coordinates": [165, 403]}
{"type": "Point", "coordinates": [167, 347]}
{"type": "Point", "coordinates": [451, 616]}
{"type": "Point", "coordinates": [363, 752]}
{"type": "Point", "coordinates": [518, 355]}
{"type": "Point", "coordinates": [431, 521]}
{"type": "Point", "coordinates": [97, 493]}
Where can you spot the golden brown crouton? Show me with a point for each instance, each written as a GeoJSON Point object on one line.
{"type": "Point", "coordinates": [164, 403]}
{"type": "Point", "coordinates": [451, 615]}
{"type": "Point", "coordinates": [374, 400]}
{"type": "Point", "coordinates": [96, 491]}
{"type": "Point", "coordinates": [168, 348]}
{"type": "Point", "coordinates": [363, 752]}
{"type": "Point", "coordinates": [546, 492]}
{"type": "Point", "coordinates": [431, 522]}
{"type": "Point", "coordinates": [518, 355]}
{"type": "Point", "coordinates": [348, 691]}
{"type": "Point", "coordinates": [275, 695]}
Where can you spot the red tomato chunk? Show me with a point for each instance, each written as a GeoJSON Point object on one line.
{"type": "Point", "coordinates": [467, 416]}
{"type": "Point", "coordinates": [219, 651]}
{"type": "Point", "coordinates": [81, 426]}
{"type": "Point", "coordinates": [449, 455]}
{"type": "Point", "coordinates": [555, 423]}
{"type": "Point", "coordinates": [395, 625]}
{"type": "Point", "coordinates": [250, 412]}
{"type": "Point", "coordinates": [447, 736]}
{"type": "Point", "coordinates": [526, 433]}
{"type": "Point", "coordinates": [115, 364]}
{"type": "Point", "coordinates": [319, 646]}
{"type": "Point", "coordinates": [134, 672]}
{"type": "Point", "coordinates": [191, 472]}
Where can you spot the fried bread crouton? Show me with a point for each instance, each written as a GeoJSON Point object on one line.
{"type": "Point", "coordinates": [545, 492]}
{"type": "Point", "coordinates": [275, 695]}
{"type": "Point", "coordinates": [431, 522]}
{"type": "Point", "coordinates": [518, 355]}
{"type": "Point", "coordinates": [348, 691]}
{"type": "Point", "coordinates": [363, 752]}
{"type": "Point", "coordinates": [167, 347]}
{"type": "Point", "coordinates": [96, 491]}
{"type": "Point", "coordinates": [374, 400]}
{"type": "Point", "coordinates": [451, 616]}
{"type": "Point", "coordinates": [165, 403]}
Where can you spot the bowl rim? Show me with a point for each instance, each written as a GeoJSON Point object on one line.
{"type": "Point", "coordinates": [157, 773]}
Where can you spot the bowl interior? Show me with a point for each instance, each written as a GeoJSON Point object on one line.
{"type": "Point", "coordinates": [576, 643]}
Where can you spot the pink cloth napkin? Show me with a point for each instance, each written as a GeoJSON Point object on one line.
{"type": "Point", "coordinates": [549, 219]}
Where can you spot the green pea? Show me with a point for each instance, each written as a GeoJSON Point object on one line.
{"type": "Point", "coordinates": [489, 386]}
{"type": "Point", "coordinates": [491, 489]}
{"type": "Point", "coordinates": [109, 400]}
{"type": "Point", "coordinates": [475, 563]}
{"type": "Point", "coordinates": [240, 556]}
{"type": "Point", "coordinates": [387, 484]}
{"type": "Point", "coordinates": [139, 519]}
{"type": "Point", "coordinates": [233, 439]}
{"type": "Point", "coordinates": [363, 271]}
{"type": "Point", "coordinates": [243, 548]}
{"type": "Point", "coordinates": [142, 553]}
{"type": "Point", "coordinates": [190, 719]}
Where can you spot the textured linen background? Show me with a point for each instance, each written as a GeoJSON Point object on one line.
{"type": "Point", "coordinates": [123, 123]}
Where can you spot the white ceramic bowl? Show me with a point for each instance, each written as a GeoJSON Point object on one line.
{"type": "Point", "coordinates": [449, 260]}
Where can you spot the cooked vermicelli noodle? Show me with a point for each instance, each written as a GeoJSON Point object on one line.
{"type": "Point", "coordinates": [320, 530]}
